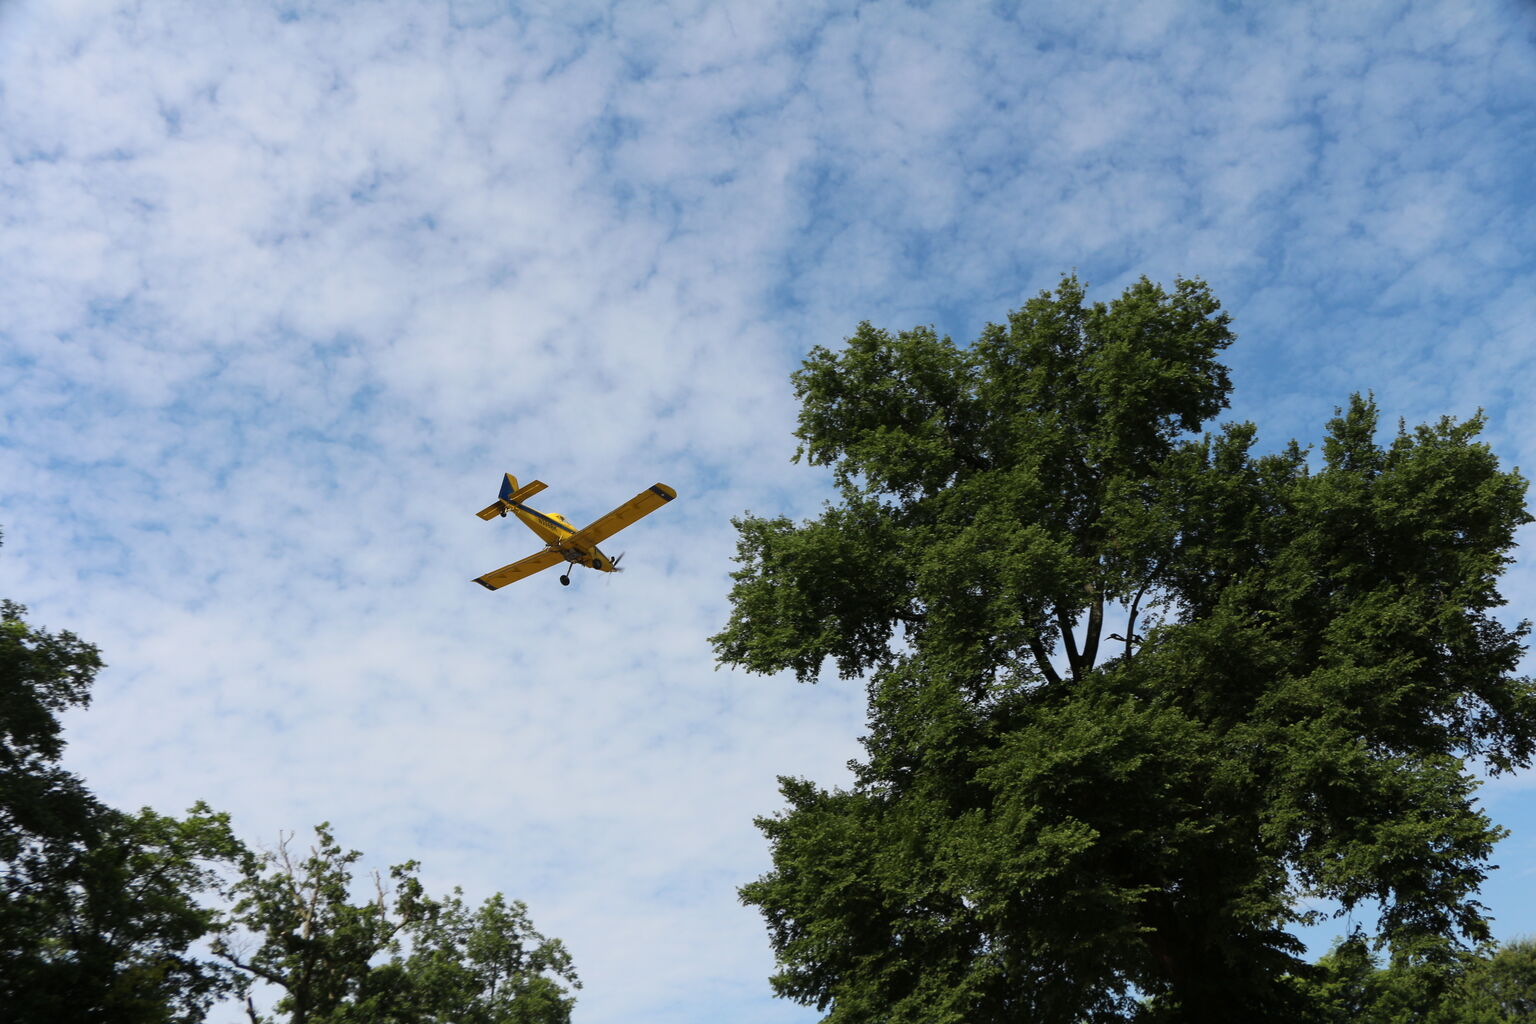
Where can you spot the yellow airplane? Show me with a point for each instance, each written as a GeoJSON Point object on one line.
{"type": "Point", "coordinates": [562, 541]}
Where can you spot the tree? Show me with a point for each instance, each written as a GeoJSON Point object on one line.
{"type": "Point", "coordinates": [1351, 986]}
{"type": "Point", "coordinates": [1056, 822]}
{"type": "Point", "coordinates": [394, 958]}
{"type": "Point", "coordinates": [98, 908]}
{"type": "Point", "coordinates": [1498, 990]}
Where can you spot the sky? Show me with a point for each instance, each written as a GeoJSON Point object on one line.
{"type": "Point", "coordinates": [286, 287]}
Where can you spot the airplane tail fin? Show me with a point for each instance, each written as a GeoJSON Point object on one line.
{"type": "Point", "coordinates": [510, 495]}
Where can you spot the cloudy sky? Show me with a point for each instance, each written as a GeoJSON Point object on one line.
{"type": "Point", "coordinates": [286, 287]}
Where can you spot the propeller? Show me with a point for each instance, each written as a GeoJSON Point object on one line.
{"type": "Point", "coordinates": [616, 560]}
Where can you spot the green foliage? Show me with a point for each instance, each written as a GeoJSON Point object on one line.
{"type": "Point", "coordinates": [399, 957]}
{"type": "Point", "coordinates": [1499, 990]}
{"type": "Point", "coordinates": [1351, 986]}
{"type": "Point", "coordinates": [1044, 824]}
{"type": "Point", "coordinates": [97, 907]}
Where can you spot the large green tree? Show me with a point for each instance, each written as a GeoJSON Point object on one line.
{"type": "Point", "coordinates": [99, 909]}
{"type": "Point", "coordinates": [1135, 692]}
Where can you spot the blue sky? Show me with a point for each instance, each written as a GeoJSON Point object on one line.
{"type": "Point", "coordinates": [288, 287]}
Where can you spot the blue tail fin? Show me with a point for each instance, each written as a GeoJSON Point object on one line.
{"type": "Point", "coordinates": [510, 495]}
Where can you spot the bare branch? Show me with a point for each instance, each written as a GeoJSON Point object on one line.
{"type": "Point", "coordinates": [260, 972]}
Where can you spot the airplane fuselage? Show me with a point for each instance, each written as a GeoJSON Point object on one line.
{"type": "Point", "coordinates": [556, 533]}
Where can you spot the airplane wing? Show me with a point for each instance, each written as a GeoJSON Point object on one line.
{"type": "Point", "coordinates": [517, 570]}
{"type": "Point", "coordinates": [642, 504]}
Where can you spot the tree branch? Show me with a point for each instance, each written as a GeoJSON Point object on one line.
{"type": "Point", "coordinates": [1130, 624]}
{"type": "Point", "coordinates": [1095, 627]}
{"type": "Point", "coordinates": [260, 972]}
{"type": "Point", "coordinates": [1069, 642]}
{"type": "Point", "coordinates": [1044, 661]}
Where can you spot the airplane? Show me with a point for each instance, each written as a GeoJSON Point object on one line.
{"type": "Point", "coordinates": [562, 541]}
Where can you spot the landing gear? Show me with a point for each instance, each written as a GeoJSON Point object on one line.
{"type": "Point", "coordinates": [565, 581]}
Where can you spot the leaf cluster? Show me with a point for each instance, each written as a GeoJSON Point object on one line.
{"type": "Point", "coordinates": [989, 495]}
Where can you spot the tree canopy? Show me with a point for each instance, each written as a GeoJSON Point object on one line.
{"type": "Point", "coordinates": [1352, 986]}
{"type": "Point", "coordinates": [1135, 692]}
{"type": "Point", "coordinates": [99, 908]}
{"type": "Point", "coordinates": [397, 956]}
{"type": "Point", "coordinates": [103, 914]}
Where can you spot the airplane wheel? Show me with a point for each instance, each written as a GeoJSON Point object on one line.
{"type": "Point", "coordinates": [565, 581]}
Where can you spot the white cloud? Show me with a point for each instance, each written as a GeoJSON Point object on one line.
{"type": "Point", "coordinates": [288, 288]}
